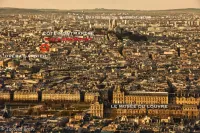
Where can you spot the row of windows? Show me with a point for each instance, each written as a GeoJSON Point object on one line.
{"type": "Point", "coordinates": [186, 102]}
{"type": "Point", "coordinates": [4, 97]}
{"type": "Point", "coordinates": [139, 101]}
{"type": "Point", "coordinates": [61, 98]}
{"type": "Point", "coordinates": [151, 100]}
{"type": "Point", "coordinates": [61, 95]}
{"type": "Point", "coordinates": [89, 98]}
{"type": "Point", "coordinates": [146, 98]}
{"type": "Point", "coordinates": [142, 98]}
{"type": "Point", "coordinates": [24, 97]}
{"type": "Point", "coordinates": [96, 107]}
{"type": "Point", "coordinates": [162, 112]}
{"type": "Point", "coordinates": [189, 99]}
{"type": "Point", "coordinates": [58, 99]}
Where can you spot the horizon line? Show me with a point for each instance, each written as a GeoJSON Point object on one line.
{"type": "Point", "coordinates": [101, 9]}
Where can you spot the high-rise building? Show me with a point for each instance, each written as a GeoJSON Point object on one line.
{"type": "Point", "coordinates": [114, 23]}
{"type": "Point", "coordinates": [109, 25]}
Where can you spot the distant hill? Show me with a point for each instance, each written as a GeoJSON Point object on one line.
{"type": "Point", "coordinates": [8, 10]}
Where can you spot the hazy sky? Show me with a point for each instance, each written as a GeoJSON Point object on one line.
{"type": "Point", "coordinates": [109, 4]}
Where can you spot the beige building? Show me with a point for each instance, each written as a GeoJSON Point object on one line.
{"type": "Point", "coordinates": [25, 96]}
{"type": "Point", "coordinates": [185, 111]}
{"type": "Point", "coordinates": [90, 96]}
{"type": "Point", "coordinates": [139, 97]}
{"type": "Point", "coordinates": [184, 104]}
{"type": "Point", "coordinates": [186, 98]}
{"type": "Point", "coordinates": [97, 109]}
{"type": "Point", "coordinates": [49, 96]}
{"type": "Point", "coordinates": [4, 96]}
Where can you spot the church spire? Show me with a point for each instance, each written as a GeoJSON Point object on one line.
{"type": "Point", "coordinates": [5, 112]}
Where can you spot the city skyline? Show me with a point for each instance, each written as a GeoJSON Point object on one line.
{"type": "Point", "coordinates": [111, 4]}
{"type": "Point", "coordinates": [96, 70]}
